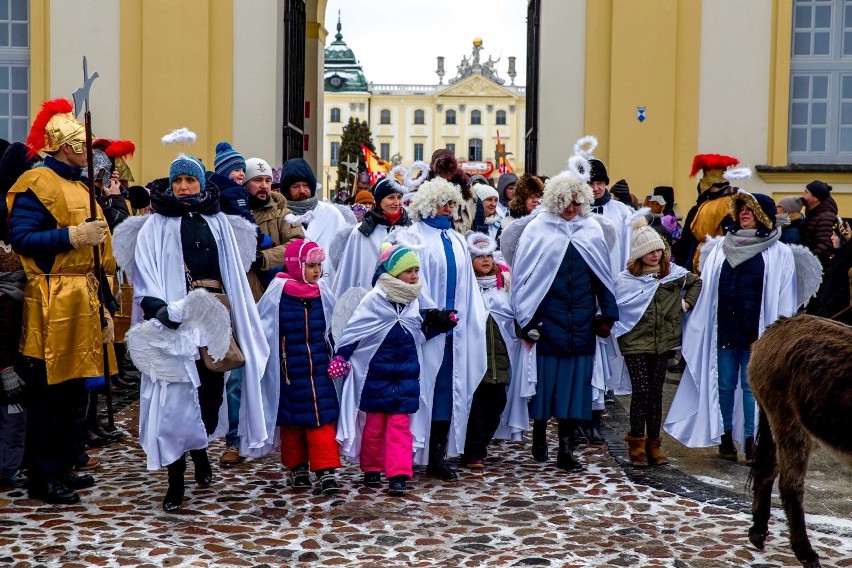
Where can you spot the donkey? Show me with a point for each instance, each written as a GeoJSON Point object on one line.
{"type": "Point", "coordinates": [801, 376]}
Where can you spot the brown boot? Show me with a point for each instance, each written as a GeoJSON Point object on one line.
{"type": "Point", "coordinates": [638, 457]}
{"type": "Point", "coordinates": [655, 454]}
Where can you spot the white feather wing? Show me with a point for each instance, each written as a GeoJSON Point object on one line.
{"type": "Point", "coordinates": [343, 310]}
{"type": "Point", "coordinates": [124, 242]}
{"type": "Point", "coordinates": [246, 234]}
{"type": "Point", "coordinates": [808, 274]}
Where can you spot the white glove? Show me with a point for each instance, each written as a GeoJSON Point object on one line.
{"type": "Point", "coordinates": [686, 307]}
{"type": "Point", "coordinates": [176, 310]}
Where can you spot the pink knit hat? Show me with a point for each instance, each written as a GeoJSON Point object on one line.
{"type": "Point", "coordinates": [299, 253]}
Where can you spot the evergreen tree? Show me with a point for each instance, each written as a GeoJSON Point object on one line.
{"type": "Point", "coordinates": [355, 133]}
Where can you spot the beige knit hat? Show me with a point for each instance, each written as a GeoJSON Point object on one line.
{"type": "Point", "coordinates": [644, 239]}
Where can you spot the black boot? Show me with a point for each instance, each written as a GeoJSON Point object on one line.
{"type": "Point", "coordinates": [438, 466]}
{"type": "Point", "coordinates": [174, 496]}
{"type": "Point", "coordinates": [727, 450]}
{"type": "Point", "coordinates": [300, 476]}
{"type": "Point", "coordinates": [565, 458]}
{"type": "Point", "coordinates": [539, 440]}
{"type": "Point", "coordinates": [397, 486]}
{"type": "Point", "coordinates": [203, 471]}
{"type": "Point", "coordinates": [53, 492]}
{"type": "Point", "coordinates": [74, 481]}
{"type": "Point", "coordinates": [327, 483]}
{"type": "Point", "coordinates": [593, 429]}
{"type": "Point", "coordinates": [749, 450]}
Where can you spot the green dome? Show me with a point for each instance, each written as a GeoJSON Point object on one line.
{"type": "Point", "coordinates": [342, 71]}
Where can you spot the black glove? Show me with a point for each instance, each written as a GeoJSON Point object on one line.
{"type": "Point", "coordinates": [439, 320]}
{"type": "Point", "coordinates": [530, 333]}
{"type": "Point", "coordinates": [163, 316]}
{"type": "Point", "coordinates": [258, 261]}
{"type": "Point", "coordinates": [602, 326]}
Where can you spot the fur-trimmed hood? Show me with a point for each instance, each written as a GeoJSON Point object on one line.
{"type": "Point", "coordinates": [562, 189]}
{"type": "Point", "coordinates": [432, 194]}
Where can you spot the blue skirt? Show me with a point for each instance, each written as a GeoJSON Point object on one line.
{"type": "Point", "coordinates": [442, 398]}
{"type": "Point", "coordinates": [564, 388]}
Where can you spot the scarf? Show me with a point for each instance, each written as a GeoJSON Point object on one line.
{"type": "Point", "coordinates": [487, 282]}
{"type": "Point", "coordinates": [393, 218]}
{"type": "Point", "coordinates": [303, 206]}
{"type": "Point", "coordinates": [442, 223]}
{"type": "Point", "coordinates": [741, 245]}
{"type": "Point", "coordinates": [494, 220]}
{"type": "Point", "coordinates": [598, 205]}
{"type": "Point", "coordinates": [12, 284]}
{"type": "Point", "coordinates": [297, 289]}
{"type": "Point", "coordinates": [296, 220]}
{"type": "Point", "coordinates": [398, 291]}
{"type": "Point", "coordinates": [651, 269]}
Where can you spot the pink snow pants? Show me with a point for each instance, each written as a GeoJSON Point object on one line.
{"type": "Point", "coordinates": [387, 444]}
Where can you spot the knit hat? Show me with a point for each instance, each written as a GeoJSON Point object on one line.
{"type": "Point", "coordinates": [382, 188]}
{"type": "Point", "coordinates": [256, 167]}
{"type": "Point", "coordinates": [761, 205]}
{"type": "Point", "coordinates": [713, 166]}
{"type": "Point", "coordinates": [187, 165]}
{"type": "Point", "coordinates": [562, 189]}
{"type": "Point", "coordinates": [819, 189]}
{"type": "Point", "coordinates": [480, 244]}
{"type": "Point", "coordinates": [644, 239]}
{"type": "Point", "coordinates": [791, 204]}
{"type": "Point", "coordinates": [296, 170]}
{"type": "Point", "coordinates": [364, 197]}
{"type": "Point", "coordinates": [598, 172]}
{"type": "Point", "coordinates": [299, 253]}
{"type": "Point", "coordinates": [621, 191]}
{"type": "Point", "coordinates": [432, 194]}
{"type": "Point", "coordinates": [483, 191]}
{"type": "Point", "coordinates": [396, 259]}
{"type": "Point", "coordinates": [227, 159]}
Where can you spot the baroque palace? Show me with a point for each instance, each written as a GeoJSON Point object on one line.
{"type": "Point", "coordinates": [408, 122]}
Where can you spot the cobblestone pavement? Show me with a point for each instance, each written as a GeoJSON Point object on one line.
{"type": "Point", "coordinates": [516, 513]}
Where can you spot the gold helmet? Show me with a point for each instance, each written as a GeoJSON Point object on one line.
{"type": "Point", "coordinates": [56, 125]}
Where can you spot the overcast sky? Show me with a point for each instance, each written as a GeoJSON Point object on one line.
{"type": "Point", "coordinates": [397, 41]}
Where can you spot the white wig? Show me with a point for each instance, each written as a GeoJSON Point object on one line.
{"type": "Point", "coordinates": [562, 189]}
{"type": "Point", "coordinates": [431, 195]}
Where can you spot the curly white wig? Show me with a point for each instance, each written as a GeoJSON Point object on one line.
{"type": "Point", "coordinates": [431, 195]}
{"type": "Point", "coordinates": [562, 189]}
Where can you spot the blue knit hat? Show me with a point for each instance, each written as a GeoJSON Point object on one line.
{"type": "Point", "coordinates": [227, 159]}
{"type": "Point", "coordinates": [187, 165]}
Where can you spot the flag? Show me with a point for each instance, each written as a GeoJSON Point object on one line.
{"type": "Point", "coordinates": [376, 166]}
{"type": "Point", "coordinates": [502, 158]}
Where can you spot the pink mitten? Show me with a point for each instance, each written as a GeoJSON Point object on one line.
{"type": "Point", "coordinates": [339, 368]}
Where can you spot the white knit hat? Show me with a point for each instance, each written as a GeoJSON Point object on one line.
{"type": "Point", "coordinates": [256, 167]}
{"type": "Point", "coordinates": [484, 191]}
{"type": "Point", "coordinates": [644, 240]}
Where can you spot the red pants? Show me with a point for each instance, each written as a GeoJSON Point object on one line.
{"type": "Point", "coordinates": [307, 445]}
{"type": "Point", "coordinates": [387, 444]}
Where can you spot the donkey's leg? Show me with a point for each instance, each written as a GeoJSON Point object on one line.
{"type": "Point", "coordinates": [793, 454]}
{"type": "Point", "coordinates": [763, 474]}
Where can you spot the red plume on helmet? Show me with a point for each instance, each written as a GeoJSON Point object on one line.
{"type": "Point", "coordinates": [114, 148]}
{"type": "Point", "coordinates": [38, 132]}
{"type": "Point", "coordinates": [712, 162]}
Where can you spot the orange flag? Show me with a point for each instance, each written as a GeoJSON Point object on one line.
{"type": "Point", "coordinates": [502, 158]}
{"type": "Point", "coordinates": [376, 166]}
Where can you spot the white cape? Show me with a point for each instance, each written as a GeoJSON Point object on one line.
{"type": "Point", "coordinates": [469, 354]}
{"type": "Point", "coordinates": [169, 412]}
{"type": "Point", "coordinates": [267, 306]}
{"type": "Point", "coordinates": [359, 260]}
{"type": "Point", "coordinates": [327, 220]}
{"type": "Point", "coordinates": [695, 417]}
{"type": "Point", "coordinates": [369, 325]}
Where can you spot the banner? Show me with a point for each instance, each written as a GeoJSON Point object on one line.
{"type": "Point", "coordinates": [376, 166]}
{"type": "Point", "coordinates": [502, 158]}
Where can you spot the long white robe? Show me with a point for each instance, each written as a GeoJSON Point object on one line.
{"type": "Point", "coordinates": [469, 354]}
{"type": "Point", "coordinates": [169, 412]}
{"type": "Point", "coordinates": [373, 319]}
{"type": "Point", "coordinates": [359, 260]}
{"type": "Point", "coordinates": [327, 221]}
{"type": "Point", "coordinates": [695, 417]}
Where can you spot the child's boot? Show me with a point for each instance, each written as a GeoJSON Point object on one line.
{"type": "Point", "coordinates": [396, 485]}
{"type": "Point", "coordinates": [655, 454]}
{"type": "Point", "coordinates": [372, 478]}
{"type": "Point", "coordinates": [327, 482]}
{"type": "Point", "coordinates": [299, 476]}
{"type": "Point", "coordinates": [636, 450]}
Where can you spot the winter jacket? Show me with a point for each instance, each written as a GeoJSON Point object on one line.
{"type": "Point", "coordinates": [740, 302]}
{"type": "Point", "coordinates": [568, 309]}
{"type": "Point", "coordinates": [834, 293]}
{"type": "Point", "coordinates": [817, 228]}
{"type": "Point", "coordinates": [374, 218]}
{"type": "Point", "coordinates": [308, 396]}
{"type": "Point", "coordinates": [114, 208]}
{"type": "Point", "coordinates": [792, 233]}
{"type": "Point", "coordinates": [269, 217]}
{"type": "Point", "coordinates": [233, 198]}
{"type": "Point", "coordinates": [659, 329]}
{"type": "Point", "coordinates": [497, 372]}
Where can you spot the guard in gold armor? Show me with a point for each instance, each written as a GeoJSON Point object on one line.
{"type": "Point", "coordinates": [63, 336]}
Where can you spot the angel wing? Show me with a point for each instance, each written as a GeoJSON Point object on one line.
{"type": "Point", "coordinates": [808, 274]}
{"type": "Point", "coordinates": [343, 310]}
{"type": "Point", "coordinates": [246, 234]}
{"type": "Point", "coordinates": [511, 235]}
{"type": "Point", "coordinates": [124, 242]}
{"type": "Point", "coordinates": [610, 231]}
{"type": "Point", "coordinates": [337, 245]}
{"type": "Point", "coordinates": [347, 213]}
{"type": "Point", "coordinates": [706, 248]}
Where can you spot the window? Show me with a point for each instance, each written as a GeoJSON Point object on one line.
{"type": "Point", "coordinates": [501, 117]}
{"type": "Point", "coordinates": [335, 115]}
{"type": "Point", "coordinates": [418, 151]}
{"type": "Point", "coordinates": [450, 117]}
{"type": "Point", "coordinates": [384, 151]}
{"type": "Point", "coordinates": [419, 117]}
{"type": "Point", "coordinates": [452, 147]}
{"type": "Point", "coordinates": [384, 117]}
{"type": "Point", "coordinates": [475, 117]}
{"type": "Point", "coordinates": [335, 153]}
{"type": "Point", "coordinates": [820, 123]}
{"type": "Point", "coordinates": [14, 70]}
{"type": "Point", "coordinates": [474, 153]}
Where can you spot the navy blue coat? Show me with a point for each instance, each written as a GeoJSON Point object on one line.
{"type": "Point", "coordinates": [308, 396]}
{"type": "Point", "coordinates": [740, 300]}
{"type": "Point", "coordinates": [392, 385]}
{"type": "Point", "coordinates": [567, 312]}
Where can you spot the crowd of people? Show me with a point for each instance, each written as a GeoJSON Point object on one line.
{"type": "Point", "coordinates": [416, 321]}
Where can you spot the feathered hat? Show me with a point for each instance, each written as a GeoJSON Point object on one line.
{"type": "Point", "coordinates": [431, 195]}
{"type": "Point", "coordinates": [714, 166]}
{"type": "Point", "coordinates": [54, 126]}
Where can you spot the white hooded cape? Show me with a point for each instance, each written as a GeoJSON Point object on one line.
{"type": "Point", "coordinates": [469, 353]}
{"type": "Point", "coordinates": [169, 412]}
{"type": "Point", "coordinates": [267, 306]}
{"type": "Point", "coordinates": [373, 319]}
{"type": "Point", "coordinates": [695, 417]}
